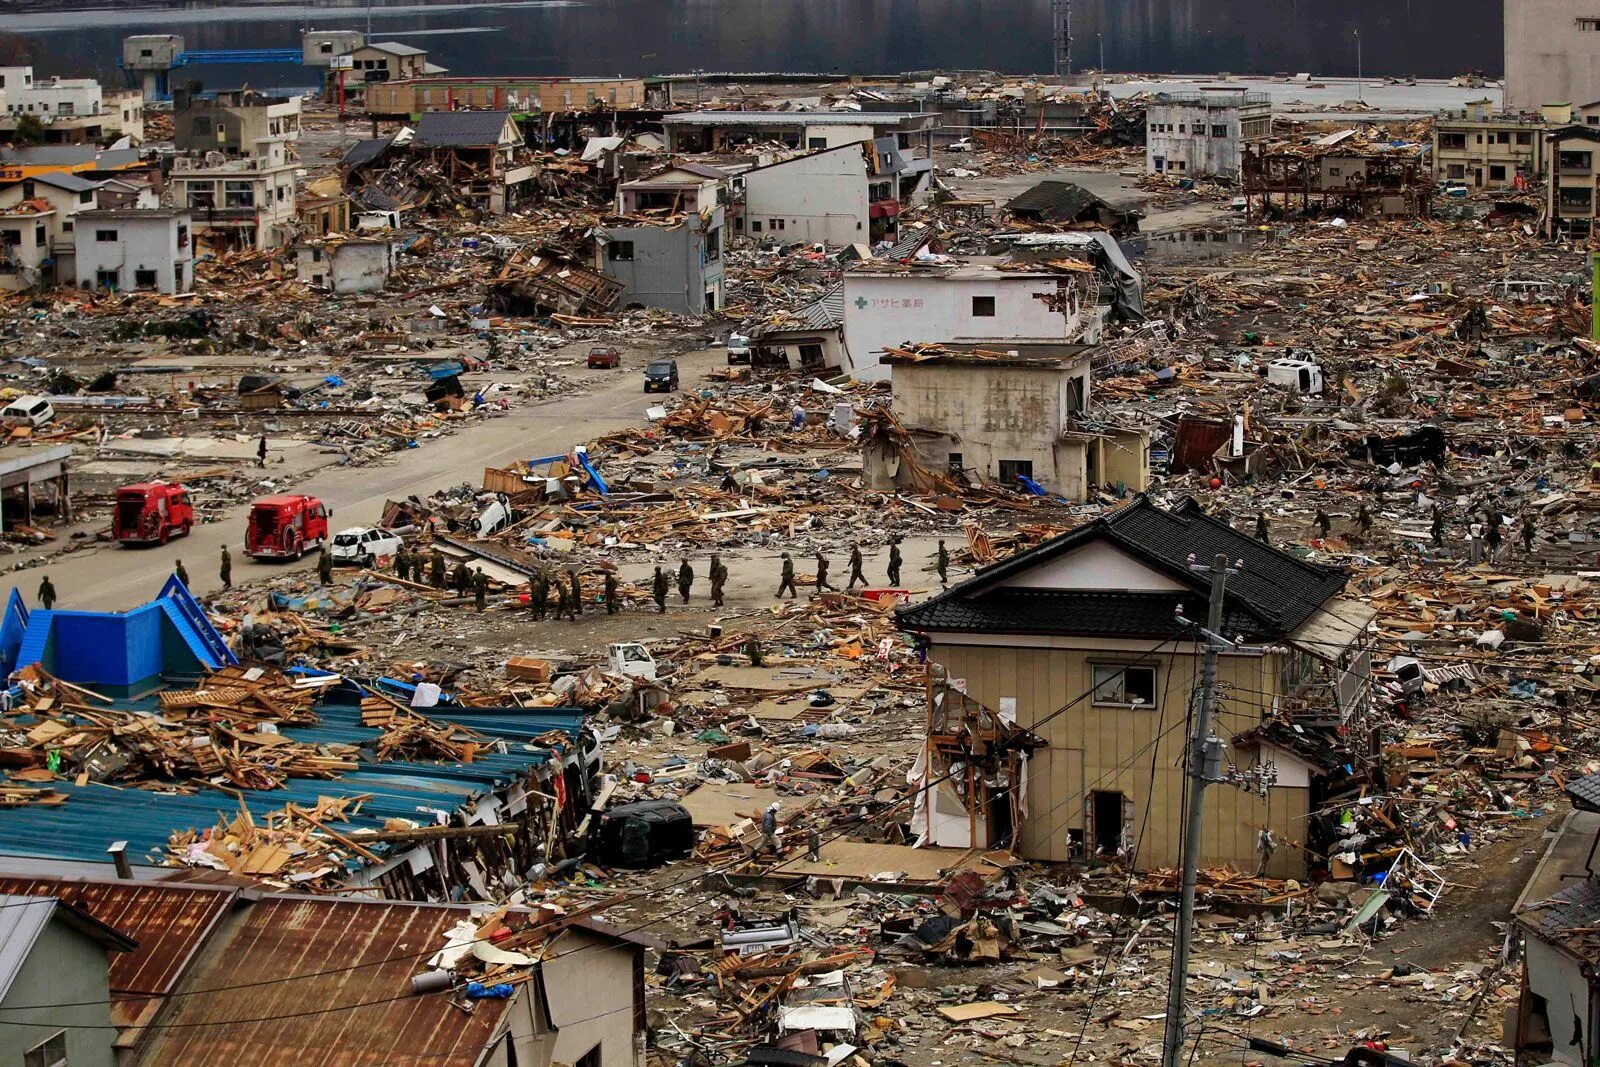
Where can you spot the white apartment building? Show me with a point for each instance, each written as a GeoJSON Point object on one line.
{"type": "Point", "coordinates": [131, 249]}
{"type": "Point", "coordinates": [245, 203]}
{"type": "Point", "coordinates": [1194, 135]}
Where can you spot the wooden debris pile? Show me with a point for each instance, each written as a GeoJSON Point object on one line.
{"type": "Point", "coordinates": [295, 847]}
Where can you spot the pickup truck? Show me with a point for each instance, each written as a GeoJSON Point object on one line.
{"type": "Point", "coordinates": [603, 357]}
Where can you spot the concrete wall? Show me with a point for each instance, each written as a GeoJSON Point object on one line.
{"type": "Point", "coordinates": [234, 130]}
{"type": "Point", "coordinates": [1487, 154]}
{"type": "Point", "coordinates": [1550, 56]}
{"type": "Point", "coordinates": [883, 310]}
{"type": "Point", "coordinates": [671, 268]}
{"type": "Point", "coordinates": [1179, 141]}
{"type": "Point", "coordinates": [820, 197]}
{"type": "Point", "coordinates": [590, 990]}
{"type": "Point", "coordinates": [20, 261]}
{"type": "Point", "coordinates": [417, 95]}
{"type": "Point", "coordinates": [347, 268]}
{"type": "Point", "coordinates": [65, 968]}
{"type": "Point", "coordinates": [66, 203]}
{"type": "Point", "coordinates": [142, 244]}
{"type": "Point", "coordinates": [1094, 747]}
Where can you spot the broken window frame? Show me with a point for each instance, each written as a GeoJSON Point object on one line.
{"type": "Point", "coordinates": [619, 252]}
{"type": "Point", "coordinates": [1105, 673]}
{"type": "Point", "coordinates": [983, 307]}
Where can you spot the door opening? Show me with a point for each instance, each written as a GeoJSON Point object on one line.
{"type": "Point", "coordinates": [1106, 811]}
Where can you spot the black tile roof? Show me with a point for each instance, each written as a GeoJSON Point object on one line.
{"type": "Point", "coordinates": [1558, 919]}
{"type": "Point", "coordinates": [1585, 792]}
{"type": "Point", "coordinates": [1055, 200]}
{"type": "Point", "coordinates": [365, 151]}
{"type": "Point", "coordinates": [1271, 594]}
{"type": "Point", "coordinates": [461, 129]}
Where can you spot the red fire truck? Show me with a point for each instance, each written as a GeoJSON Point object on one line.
{"type": "Point", "coordinates": [151, 512]}
{"type": "Point", "coordinates": [285, 526]}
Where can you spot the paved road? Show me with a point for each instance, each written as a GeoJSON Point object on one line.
{"type": "Point", "coordinates": [112, 578]}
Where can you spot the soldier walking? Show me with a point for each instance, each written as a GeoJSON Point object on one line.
{"type": "Point", "coordinates": [613, 603]}
{"type": "Point", "coordinates": [225, 571]}
{"type": "Point", "coordinates": [786, 578]}
{"type": "Point", "coordinates": [325, 566]}
{"type": "Point", "coordinates": [856, 574]}
{"type": "Point", "coordinates": [943, 564]}
{"type": "Point", "coordinates": [577, 593]}
{"type": "Point", "coordinates": [183, 575]}
{"type": "Point", "coordinates": [719, 578]}
{"type": "Point", "coordinates": [685, 580]}
{"type": "Point", "coordinates": [822, 575]}
{"type": "Point", "coordinates": [436, 579]}
{"type": "Point", "coordinates": [894, 562]}
{"type": "Point", "coordinates": [658, 590]}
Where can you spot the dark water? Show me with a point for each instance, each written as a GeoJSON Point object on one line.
{"type": "Point", "coordinates": [1426, 38]}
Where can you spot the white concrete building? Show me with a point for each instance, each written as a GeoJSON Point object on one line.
{"type": "Point", "coordinates": [356, 265]}
{"type": "Point", "coordinates": [910, 305]}
{"type": "Point", "coordinates": [72, 110]}
{"type": "Point", "coordinates": [135, 250]}
{"type": "Point", "coordinates": [1193, 135]}
{"type": "Point", "coordinates": [1552, 53]}
{"type": "Point", "coordinates": [239, 203]}
{"type": "Point", "coordinates": [68, 195]}
{"type": "Point", "coordinates": [25, 245]}
{"type": "Point", "coordinates": [851, 194]}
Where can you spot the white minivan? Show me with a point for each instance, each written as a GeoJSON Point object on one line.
{"type": "Point", "coordinates": [33, 410]}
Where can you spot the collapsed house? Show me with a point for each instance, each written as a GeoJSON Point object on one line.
{"type": "Point", "coordinates": [665, 244]}
{"type": "Point", "coordinates": [1338, 174]}
{"type": "Point", "coordinates": [1053, 669]}
{"type": "Point", "coordinates": [453, 160]}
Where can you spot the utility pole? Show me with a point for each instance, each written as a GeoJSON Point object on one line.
{"type": "Point", "coordinates": [1203, 766]}
{"type": "Point", "coordinates": [369, 21]}
{"type": "Point", "coordinates": [1101, 38]}
{"type": "Point", "coordinates": [1359, 99]}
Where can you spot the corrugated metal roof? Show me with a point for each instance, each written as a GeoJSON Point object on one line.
{"type": "Point", "coordinates": [95, 815]}
{"type": "Point", "coordinates": [21, 923]}
{"type": "Point", "coordinates": [168, 921]}
{"type": "Point", "coordinates": [378, 1023]}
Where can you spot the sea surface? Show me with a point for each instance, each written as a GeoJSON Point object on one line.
{"type": "Point", "coordinates": [1424, 38]}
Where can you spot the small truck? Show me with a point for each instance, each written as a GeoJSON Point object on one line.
{"type": "Point", "coordinates": [151, 513]}
{"type": "Point", "coordinates": [285, 526]}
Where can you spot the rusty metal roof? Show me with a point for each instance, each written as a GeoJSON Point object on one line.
{"type": "Point", "coordinates": [168, 921]}
{"type": "Point", "coordinates": [373, 1018]}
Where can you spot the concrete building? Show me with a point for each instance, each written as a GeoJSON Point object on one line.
{"type": "Point", "coordinates": [1194, 135]}
{"type": "Point", "coordinates": [72, 110]}
{"type": "Point", "coordinates": [68, 195]}
{"type": "Point", "coordinates": [1002, 412]}
{"type": "Point", "coordinates": [248, 202]}
{"type": "Point", "coordinates": [350, 265]}
{"type": "Point", "coordinates": [135, 250]}
{"type": "Point", "coordinates": [891, 308]}
{"type": "Point", "coordinates": [232, 122]}
{"type": "Point", "coordinates": [851, 194]}
{"type": "Point", "coordinates": [152, 56]}
{"type": "Point", "coordinates": [676, 265]}
{"type": "Point", "coordinates": [383, 61]}
{"type": "Point", "coordinates": [811, 338]}
{"type": "Point", "coordinates": [319, 48]}
{"type": "Point", "coordinates": [1488, 149]}
{"type": "Point", "coordinates": [519, 94]}
{"type": "Point", "coordinates": [55, 953]}
{"type": "Point", "coordinates": [25, 245]}
{"type": "Point", "coordinates": [719, 131]}
{"type": "Point", "coordinates": [1043, 678]}
{"type": "Point", "coordinates": [1552, 53]}
{"type": "Point", "coordinates": [1570, 194]}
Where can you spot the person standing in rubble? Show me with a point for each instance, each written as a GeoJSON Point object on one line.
{"type": "Point", "coordinates": [786, 578]}
{"type": "Point", "coordinates": [1530, 530]}
{"type": "Point", "coordinates": [480, 589]}
{"type": "Point", "coordinates": [613, 602]}
{"type": "Point", "coordinates": [856, 574]}
{"type": "Point", "coordinates": [459, 579]}
{"type": "Point", "coordinates": [822, 575]}
{"type": "Point", "coordinates": [577, 593]}
{"type": "Point", "coordinates": [658, 590]}
{"type": "Point", "coordinates": [225, 571]}
{"type": "Point", "coordinates": [1493, 533]}
{"type": "Point", "coordinates": [183, 575]}
{"type": "Point", "coordinates": [1263, 534]}
{"type": "Point", "coordinates": [541, 594]}
{"type": "Point", "coordinates": [894, 561]}
{"type": "Point", "coordinates": [752, 649]}
{"type": "Point", "coordinates": [1364, 520]}
{"type": "Point", "coordinates": [1323, 524]}
{"type": "Point", "coordinates": [719, 578]}
{"type": "Point", "coordinates": [325, 566]}
{"type": "Point", "coordinates": [436, 564]}
{"type": "Point", "coordinates": [47, 593]}
{"type": "Point", "coordinates": [261, 451]}
{"type": "Point", "coordinates": [943, 564]}
{"type": "Point", "coordinates": [1476, 555]}
{"type": "Point", "coordinates": [563, 600]}
{"type": "Point", "coordinates": [685, 579]}
{"type": "Point", "coordinates": [769, 828]}
{"type": "Point", "coordinates": [1437, 528]}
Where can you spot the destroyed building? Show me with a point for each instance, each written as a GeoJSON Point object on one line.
{"type": "Point", "coordinates": [233, 122]}
{"type": "Point", "coordinates": [1053, 668]}
{"type": "Point", "coordinates": [67, 194]}
{"type": "Point", "coordinates": [1195, 135]}
{"type": "Point", "coordinates": [1019, 416]}
{"type": "Point", "coordinates": [408, 98]}
{"type": "Point", "coordinates": [347, 264]}
{"type": "Point", "coordinates": [1063, 203]}
{"type": "Point", "coordinates": [246, 202]}
{"type": "Point", "coordinates": [1488, 149]}
{"type": "Point", "coordinates": [811, 131]}
{"type": "Point", "coordinates": [665, 245]}
{"type": "Point", "coordinates": [474, 159]}
{"type": "Point", "coordinates": [844, 195]}
{"type": "Point", "coordinates": [25, 244]}
{"type": "Point", "coordinates": [1338, 174]}
{"type": "Point", "coordinates": [1571, 194]}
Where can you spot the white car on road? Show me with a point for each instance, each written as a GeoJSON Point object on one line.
{"type": "Point", "coordinates": [363, 545]}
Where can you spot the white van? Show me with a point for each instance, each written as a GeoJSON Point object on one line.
{"type": "Point", "coordinates": [33, 410]}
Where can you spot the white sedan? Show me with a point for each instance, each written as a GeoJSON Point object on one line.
{"type": "Point", "coordinates": [363, 545]}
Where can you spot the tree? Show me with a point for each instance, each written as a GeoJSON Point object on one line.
{"type": "Point", "coordinates": [29, 130]}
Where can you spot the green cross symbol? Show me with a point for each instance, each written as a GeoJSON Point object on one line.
{"type": "Point", "coordinates": [861, 303]}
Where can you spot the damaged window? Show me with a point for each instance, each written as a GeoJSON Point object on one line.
{"type": "Point", "coordinates": [620, 251]}
{"type": "Point", "coordinates": [983, 307]}
{"type": "Point", "coordinates": [238, 194]}
{"type": "Point", "coordinates": [1124, 685]}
